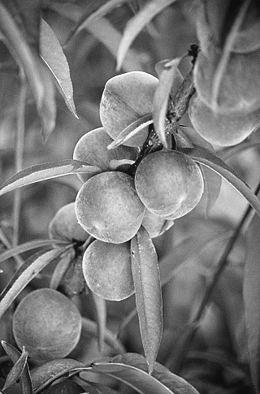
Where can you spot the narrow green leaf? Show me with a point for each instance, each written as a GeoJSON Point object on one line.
{"type": "Point", "coordinates": [23, 276]}
{"type": "Point", "coordinates": [134, 128]}
{"type": "Point", "coordinates": [131, 369]}
{"type": "Point", "coordinates": [43, 172]}
{"type": "Point", "coordinates": [136, 25]}
{"type": "Point", "coordinates": [101, 314]}
{"type": "Point", "coordinates": [17, 370]}
{"type": "Point", "coordinates": [212, 185]}
{"type": "Point", "coordinates": [47, 373]}
{"type": "Point", "coordinates": [225, 55]}
{"type": "Point", "coordinates": [15, 355]}
{"type": "Point", "coordinates": [27, 246]}
{"type": "Point", "coordinates": [38, 76]}
{"type": "Point", "coordinates": [89, 17]}
{"type": "Point", "coordinates": [170, 76]}
{"type": "Point", "coordinates": [53, 55]}
{"type": "Point", "coordinates": [208, 159]}
{"type": "Point", "coordinates": [251, 299]}
{"type": "Point", "coordinates": [148, 294]}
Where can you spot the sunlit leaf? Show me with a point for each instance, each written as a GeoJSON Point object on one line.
{"type": "Point", "coordinates": [90, 16]}
{"type": "Point", "coordinates": [136, 25]}
{"type": "Point", "coordinates": [252, 299]}
{"type": "Point", "coordinates": [101, 314]}
{"type": "Point", "coordinates": [131, 369]}
{"type": "Point", "coordinates": [53, 55]}
{"type": "Point", "coordinates": [170, 76]}
{"type": "Point", "coordinates": [131, 130]}
{"type": "Point", "coordinates": [42, 172]}
{"type": "Point", "coordinates": [23, 276]}
{"type": "Point", "coordinates": [208, 159]}
{"type": "Point", "coordinates": [38, 76]}
{"type": "Point", "coordinates": [27, 246]}
{"type": "Point", "coordinates": [148, 294]}
{"type": "Point", "coordinates": [15, 355]}
{"type": "Point", "coordinates": [47, 373]}
{"type": "Point", "coordinates": [212, 185]}
{"type": "Point", "coordinates": [225, 55]}
{"type": "Point", "coordinates": [17, 370]}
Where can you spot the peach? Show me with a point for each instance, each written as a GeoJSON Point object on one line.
{"type": "Point", "coordinates": [92, 148]}
{"type": "Point", "coordinates": [155, 225]}
{"type": "Point", "coordinates": [47, 323]}
{"type": "Point", "coordinates": [169, 183]}
{"type": "Point", "coordinates": [126, 98]}
{"type": "Point", "coordinates": [64, 225]}
{"type": "Point", "coordinates": [239, 88]}
{"type": "Point", "coordinates": [108, 207]}
{"type": "Point", "coordinates": [211, 15]}
{"type": "Point", "coordinates": [221, 129]}
{"type": "Point", "coordinates": [107, 270]}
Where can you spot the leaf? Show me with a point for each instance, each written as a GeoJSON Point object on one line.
{"type": "Point", "coordinates": [43, 172]}
{"type": "Point", "coordinates": [208, 159]}
{"type": "Point", "coordinates": [134, 128]}
{"type": "Point", "coordinates": [39, 243]}
{"type": "Point", "coordinates": [90, 16]}
{"type": "Point", "coordinates": [101, 314]}
{"type": "Point", "coordinates": [104, 32]}
{"type": "Point", "coordinates": [17, 370]}
{"type": "Point", "coordinates": [23, 276]}
{"type": "Point", "coordinates": [27, 17]}
{"type": "Point", "coordinates": [170, 76]}
{"type": "Point", "coordinates": [90, 328]}
{"type": "Point", "coordinates": [131, 369]}
{"type": "Point", "coordinates": [36, 73]}
{"type": "Point", "coordinates": [225, 54]}
{"type": "Point", "coordinates": [148, 294]}
{"type": "Point", "coordinates": [54, 57]}
{"type": "Point", "coordinates": [137, 23]}
{"type": "Point", "coordinates": [15, 355]}
{"type": "Point", "coordinates": [61, 268]}
{"type": "Point", "coordinates": [251, 295]}
{"type": "Point", "coordinates": [212, 185]}
{"type": "Point", "coordinates": [47, 373]}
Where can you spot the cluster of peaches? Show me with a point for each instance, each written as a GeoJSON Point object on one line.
{"type": "Point", "coordinates": [226, 108]}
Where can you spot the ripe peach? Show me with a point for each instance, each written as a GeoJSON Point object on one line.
{"type": "Point", "coordinates": [126, 98]}
{"type": "Point", "coordinates": [155, 225]}
{"type": "Point", "coordinates": [64, 225]}
{"type": "Point", "coordinates": [47, 323]}
{"type": "Point", "coordinates": [108, 207]}
{"type": "Point", "coordinates": [107, 270]}
{"type": "Point", "coordinates": [92, 148]}
{"type": "Point", "coordinates": [221, 129]}
{"type": "Point", "coordinates": [169, 183]}
{"type": "Point", "coordinates": [210, 17]}
{"type": "Point", "coordinates": [240, 86]}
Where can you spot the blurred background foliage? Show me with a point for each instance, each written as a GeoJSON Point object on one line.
{"type": "Point", "coordinates": [218, 360]}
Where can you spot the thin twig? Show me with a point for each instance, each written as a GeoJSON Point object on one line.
{"type": "Point", "coordinates": [19, 155]}
{"type": "Point", "coordinates": [177, 358]}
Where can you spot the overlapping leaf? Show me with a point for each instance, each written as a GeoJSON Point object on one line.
{"type": "Point", "coordinates": [148, 295]}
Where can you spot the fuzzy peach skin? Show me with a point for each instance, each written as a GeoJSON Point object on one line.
{"type": "Point", "coordinates": [108, 207]}
{"type": "Point", "coordinates": [48, 324]}
{"type": "Point", "coordinates": [126, 98]}
{"type": "Point", "coordinates": [107, 270]}
{"type": "Point", "coordinates": [169, 183]}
